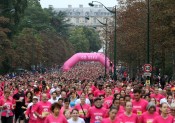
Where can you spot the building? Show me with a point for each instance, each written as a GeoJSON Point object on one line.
{"type": "Point", "coordinates": [78, 17]}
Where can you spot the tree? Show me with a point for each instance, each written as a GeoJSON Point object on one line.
{"type": "Point", "coordinates": [132, 33]}
{"type": "Point", "coordinates": [60, 23]}
{"type": "Point", "coordinates": [93, 38]}
{"type": "Point", "coordinates": [79, 40]}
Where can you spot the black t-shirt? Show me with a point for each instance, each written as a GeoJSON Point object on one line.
{"type": "Point", "coordinates": [19, 105]}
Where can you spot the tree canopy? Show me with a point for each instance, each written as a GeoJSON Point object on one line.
{"type": "Point", "coordinates": [132, 35]}
{"type": "Point", "coordinates": [33, 36]}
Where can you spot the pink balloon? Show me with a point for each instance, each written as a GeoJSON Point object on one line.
{"type": "Point", "coordinates": [99, 57]}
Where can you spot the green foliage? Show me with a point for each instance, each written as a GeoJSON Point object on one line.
{"type": "Point", "coordinates": [31, 35]}
{"type": "Point", "coordinates": [60, 23]}
{"type": "Point", "coordinates": [93, 38]}
{"type": "Point", "coordinates": [85, 39]}
{"type": "Point", "coordinates": [79, 40]}
{"type": "Point", "coordinates": [33, 32]}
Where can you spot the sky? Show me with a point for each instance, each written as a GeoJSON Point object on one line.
{"type": "Point", "coordinates": [74, 3]}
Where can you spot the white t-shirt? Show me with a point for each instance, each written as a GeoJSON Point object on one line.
{"type": "Point", "coordinates": [80, 120]}
{"type": "Point", "coordinates": [30, 104]}
{"type": "Point", "coordinates": [53, 101]}
{"type": "Point", "coordinates": [87, 101]}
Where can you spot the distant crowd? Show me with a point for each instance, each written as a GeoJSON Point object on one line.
{"type": "Point", "coordinates": [81, 96]}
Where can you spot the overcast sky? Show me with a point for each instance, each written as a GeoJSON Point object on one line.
{"type": "Point", "coordinates": [74, 3]}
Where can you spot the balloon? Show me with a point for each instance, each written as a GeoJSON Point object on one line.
{"type": "Point", "coordinates": [97, 57]}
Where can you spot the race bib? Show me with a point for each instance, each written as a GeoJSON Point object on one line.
{"type": "Point", "coordinates": [139, 113]}
{"type": "Point", "coordinates": [44, 114]}
{"type": "Point", "coordinates": [149, 121]}
{"type": "Point", "coordinates": [81, 112]}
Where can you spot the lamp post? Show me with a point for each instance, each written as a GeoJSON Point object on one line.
{"type": "Point", "coordinates": [148, 34]}
{"type": "Point", "coordinates": [115, 35]}
{"type": "Point", "coordinates": [106, 31]}
{"type": "Point", "coordinates": [148, 31]}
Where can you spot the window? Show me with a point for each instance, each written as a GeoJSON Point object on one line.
{"type": "Point", "coordinates": [77, 13]}
{"type": "Point", "coordinates": [95, 21]}
{"type": "Point", "coordinates": [87, 14]}
{"type": "Point", "coordinates": [77, 20]}
{"type": "Point", "coordinates": [85, 20]}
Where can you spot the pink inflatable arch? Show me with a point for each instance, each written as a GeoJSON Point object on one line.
{"type": "Point", "coordinates": [99, 57]}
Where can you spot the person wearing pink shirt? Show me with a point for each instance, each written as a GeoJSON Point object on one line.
{"type": "Point", "coordinates": [66, 106]}
{"type": "Point", "coordinates": [148, 117]}
{"type": "Point", "coordinates": [164, 117]}
{"type": "Point", "coordinates": [108, 98]}
{"type": "Point", "coordinates": [116, 104]}
{"type": "Point", "coordinates": [156, 94]}
{"type": "Point", "coordinates": [30, 112]}
{"type": "Point", "coordinates": [173, 111]}
{"type": "Point", "coordinates": [139, 104]}
{"type": "Point", "coordinates": [42, 109]}
{"type": "Point", "coordinates": [82, 107]}
{"type": "Point", "coordinates": [6, 104]}
{"type": "Point", "coordinates": [97, 112]}
{"type": "Point", "coordinates": [55, 116]}
{"type": "Point", "coordinates": [99, 91]}
{"type": "Point", "coordinates": [128, 116]}
{"type": "Point", "coordinates": [112, 116]}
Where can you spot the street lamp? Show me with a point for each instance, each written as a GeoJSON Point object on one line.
{"type": "Point", "coordinates": [106, 31]}
{"type": "Point", "coordinates": [115, 36]}
{"type": "Point", "coordinates": [148, 31]}
{"type": "Point", "coordinates": [148, 35]}
{"type": "Point", "coordinates": [7, 9]}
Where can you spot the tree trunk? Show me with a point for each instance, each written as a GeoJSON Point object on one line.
{"type": "Point", "coordinates": [163, 61]}
{"type": "Point", "coordinates": [173, 54]}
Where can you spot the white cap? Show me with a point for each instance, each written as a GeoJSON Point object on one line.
{"type": "Point", "coordinates": [35, 97]}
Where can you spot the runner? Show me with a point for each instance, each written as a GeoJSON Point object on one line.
{"type": "Point", "coordinates": [42, 109]}
{"type": "Point", "coordinates": [75, 117]}
{"type": "Point", "coordinates": [30, 115]}
{"type": "Point", "coordinates": [128, 116]}
{"type": "Point", "coordinates": [148, 117]}
{"type": "Point", "coordinates": [55, 116]}
{"type": "Point", "coordinates": [6, 104]}
{"type": "Point", "coordinates": [97, 112]}
{"type": "Point", "coordinates": [112, 116]}
{"type": "Point", "coordinates": [164, 117]}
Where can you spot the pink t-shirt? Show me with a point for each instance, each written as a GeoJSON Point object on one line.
{"type": "Point", "coordinates": [99, 92]}
{"type": "Point", "coordinates": [42, 108]}
{"type": "Point", "coordinates": [158, 97]}
{"type": "Point", "coordinates": [51, 119]}
{"type": "Point", "coordinates": [107, 120]}
{"type": "Point", "coordinates": [85, 109]}
{"type": "Point", "coordinates": [147, 117]}
{"type": "Point", "coordinates": [9, 104]}
{"type": "Point", "coordinates": [96, 115]}
{"type": "Point", "coordinates": [139, 107]}
{"type": "Point", "coordinates": [128, 119]}
{"type": "Point", "coordinates": [120, 111]}
{"type": "Point", "coordinates": [30, 113]}
{"type": "Point", "coordinates": [173, 119]}
{"type": "Point", "coordinates": [63, 109]}
{"type": "Point", "coordinates": [108, 102]}
{"type": "Point", "coordinates": [160, 119]}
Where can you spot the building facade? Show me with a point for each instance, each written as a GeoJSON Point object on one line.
{"type": "Point", "coordinates": [77, 16]}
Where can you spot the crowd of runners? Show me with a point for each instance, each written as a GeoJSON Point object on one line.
{"type": "Point", "coordinates": [76, 97]}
